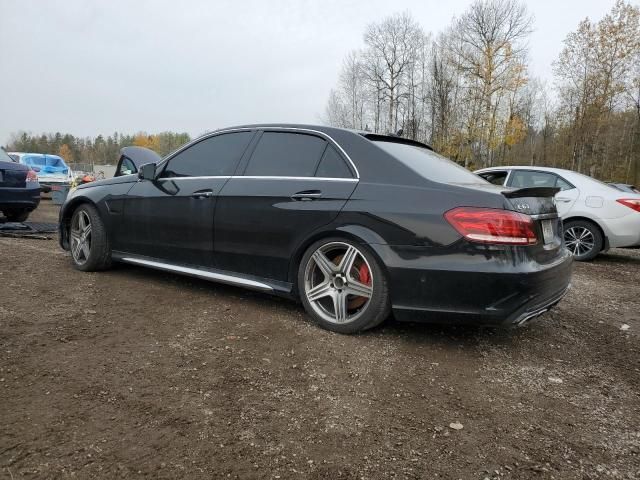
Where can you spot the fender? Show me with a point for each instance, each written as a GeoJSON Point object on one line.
{"type": "Point", "coordinates": [64, 220]}
{"type": "Point", "coordinates": [100, 198]}
{"type": "Point", "coordinates": [357, 233]}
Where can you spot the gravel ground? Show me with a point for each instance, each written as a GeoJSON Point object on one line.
{"type": "Point", "coordinates": [137, 373]}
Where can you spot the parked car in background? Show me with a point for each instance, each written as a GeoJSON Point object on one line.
{"type": "Point", "coordinates": [354, 224]}
{"type": "Point", "coordinates": [19, 189]}
{"type": "Point", "coordinates": [596, 216]}
{"type": "Point", "coordinates": [132, 158]}
{"type": "Point", "coordinates": [52, 171]}
{"type": "Point", "coordinates": [625, 187]}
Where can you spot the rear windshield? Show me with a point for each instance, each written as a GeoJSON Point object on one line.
{"type": "Point", "coordinates": [4, 157]}
{"type": "Point", "coordinates": [429, 164]}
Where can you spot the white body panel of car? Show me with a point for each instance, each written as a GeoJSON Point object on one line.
{"type": "Point", "coordinates": [46, 178]}
{"type": "Point", "coordinates": [580, 197]}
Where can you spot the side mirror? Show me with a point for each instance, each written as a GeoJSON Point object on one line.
{"type": "Point", "coordinates": [147, 171]}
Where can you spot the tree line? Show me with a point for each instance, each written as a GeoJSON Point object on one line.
{"type": "Point", "coordinates": [96, 150]}
{"type": "Point", "coordinates": [469, 93]}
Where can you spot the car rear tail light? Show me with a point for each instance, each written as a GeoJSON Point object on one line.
{"type": "Point", "coordinates": [489, 225]}
{"type": "Point", "coordinates": [632, 203]}
{"type": "Point", "coordinates": [31, 176]}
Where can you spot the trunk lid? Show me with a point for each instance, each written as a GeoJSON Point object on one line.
{"type": "Point", "coordinates": [532, 200]}
{"type": "Point", "coordinates": [13, 175]}
{"type": "Point", "coordinates": [539, 203]}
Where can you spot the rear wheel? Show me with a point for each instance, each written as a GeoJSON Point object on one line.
{"type": "Point", "coordinates": [17, 215]}
{"type": "Point", "coordinates": [88, 240]}
{"type": "Point", "coordinates": [583, 239]}
{"type": "Point", "coordinates": [342, 286]}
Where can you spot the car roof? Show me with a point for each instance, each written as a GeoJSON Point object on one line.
{"type": "Point", "coordinates": [27, 154]}
{"type": "Point", "coordinates": [525, 167]}
{"type": "Point", "coordinates": [329, 130]}
{"type": "Point", "coordinates": [370, 162]}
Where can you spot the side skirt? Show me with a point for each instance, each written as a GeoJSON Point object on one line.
{"type": "Point", "coordinates": [220, 276]}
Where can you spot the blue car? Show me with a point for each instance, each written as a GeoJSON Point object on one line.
{"type": "Point", "coordinates": [51, 170]}
{"type": "Point", "coordinates": [19, 189]}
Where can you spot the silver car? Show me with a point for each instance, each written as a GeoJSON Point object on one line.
{"type": "Point", "coordinates": [596, 215]}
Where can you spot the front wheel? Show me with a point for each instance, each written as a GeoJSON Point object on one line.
{"type": "Point", "coordinates": [88, 240]}
{"type": "Point", "coordinates": [583, 239]}
{"type": "Point", "coordinates": [342, 286]}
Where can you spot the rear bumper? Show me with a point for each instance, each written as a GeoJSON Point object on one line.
{"type": "Point", "coordinates": [48, 185]}
{"type": "Point", "coordinates": [503, 290]}
{"type": "Point", "coordinates": [623, 231]}
{"type": "Point", "coordinates": [27, 198]}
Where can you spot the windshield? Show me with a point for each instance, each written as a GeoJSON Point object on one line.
{"type": "Point", "coordinates": [429, 164]}
{"type": "Point", "coordinates": [4, 156]}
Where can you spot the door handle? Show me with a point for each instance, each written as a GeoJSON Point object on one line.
{"type": "Point", "coordinates": [563, 199]}
{"type": "Point", "coordinates": [307, 195]}
{"type": "Point", "coordinates": [202, 194]}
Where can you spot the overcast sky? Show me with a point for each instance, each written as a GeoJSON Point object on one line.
{"type": "Point", "coordinates": [97, 67]}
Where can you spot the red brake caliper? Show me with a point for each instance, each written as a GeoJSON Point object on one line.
{"type": "Point", "coordinates": [365, 276]}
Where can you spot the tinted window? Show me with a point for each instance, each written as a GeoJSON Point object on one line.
{"type": "Point", "coordinates": [527, 178]}
{"type": "Point", "coordinates": [564, 185]}
{"type": "Point", "coordinates": [4, 157]}
{"type": "Point", "coordinates": [213, 156]}
{"type": "Point", "coordinates": [497, 178]}
{"type": "Point", "coordinates": [285, 154]}
{"type": "Point", "coordinates": [332, 165]}
{"type": "Point", "coordinates": [429, 164]}
{"type": "Point", "coordinates": [127, 167]}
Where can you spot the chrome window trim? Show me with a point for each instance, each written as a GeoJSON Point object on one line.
{"type": "Point", "coordinates": [275, 177]}
{"type": "Point", "coordinates": [225, 177]}
{"type": "Point", "coordinates": [194, 272]}
{"type": "Point", "coordinates": [258, 177]}
{"type": "Point", "coordinates": [249, 129]}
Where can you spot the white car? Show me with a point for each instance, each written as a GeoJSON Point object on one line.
{"type": "Point", "coordinates": [596, 216]}
{"type": "Point", "coordinates": [51, 170]}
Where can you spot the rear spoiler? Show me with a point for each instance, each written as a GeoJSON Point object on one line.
{"type": "Point", "coordinates": [531, 192]}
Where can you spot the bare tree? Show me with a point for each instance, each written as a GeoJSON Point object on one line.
{"type": "Point", "coordinates": [470, 94]}
{"type": "Point", "coordinates": [490, 48]}
{"type": "Point", "coordinates": [391, 49]}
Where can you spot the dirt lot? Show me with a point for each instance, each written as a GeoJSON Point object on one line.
{"type": "Point", "coordinates": [136, 373]}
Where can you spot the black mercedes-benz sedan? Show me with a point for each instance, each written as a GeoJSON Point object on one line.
{"type": "Point", "coordinates": [19, 189]}
{"type": "Point", "coordinates": [354, 224]}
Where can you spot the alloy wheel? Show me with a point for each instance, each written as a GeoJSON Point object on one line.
{"type": "Point", "coordinates": [579, 240]}
{"type": "Point", "coordinates": [338, 282]}
{"type": "Point", "coordinates": [81, 237]}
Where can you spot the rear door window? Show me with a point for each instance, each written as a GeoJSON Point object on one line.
{"type": "Point", "coordinates": [496, 177]}
{"type": "Point", "coordinates": [286, 154]}
{"type": "Point", "coordinates": [4, 157]}
{"type": "Point", "coordinates": [563, 184]}
{"type": "Point", "coordinates": [332, 165]}
{"type": "Point", "coordinates": [212, 157]}
{"type": "Point", "coordinates": [530, 178]}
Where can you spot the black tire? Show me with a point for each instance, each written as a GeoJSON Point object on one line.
{"type": "Point", "coordinates": [99, 257]}
{"type": "Point", "coordinates": [17, 215]}
{"type": "Point", "coordinates": [376, 307]}
{"type": "Point", "coordinates": [583, 239]}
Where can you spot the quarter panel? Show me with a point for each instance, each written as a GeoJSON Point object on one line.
{"type": "Point", "coordinates": [406, 215]}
